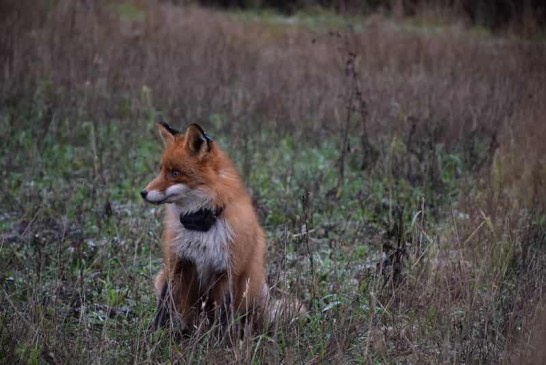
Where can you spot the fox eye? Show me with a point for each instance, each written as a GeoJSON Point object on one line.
{"type": "Point", "coordinates": [174, 173]}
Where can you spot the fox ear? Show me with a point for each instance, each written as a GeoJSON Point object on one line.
{"type": "Point", "coordinates": [197, 141]}
{"type": "Point", "coordinates": [167, 133]}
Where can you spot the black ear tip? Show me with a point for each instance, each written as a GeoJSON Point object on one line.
{"type": "Point", "coordinates": [201, 131]}
{"type": "Point", "coordinates": [199, 128]}
{"type": "Point", "coordinates": [170, 129]}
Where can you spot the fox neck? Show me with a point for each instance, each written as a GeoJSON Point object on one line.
{"type": "Point", "coordinates": [193, 201]}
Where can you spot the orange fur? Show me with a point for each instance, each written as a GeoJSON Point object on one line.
{"type": "Point", "coordinates": [207, 176]}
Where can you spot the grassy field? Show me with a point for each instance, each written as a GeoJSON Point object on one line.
{"type": "Point", "coordinates": [398, 169]}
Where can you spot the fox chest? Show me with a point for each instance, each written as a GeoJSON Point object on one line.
{"type": "Point", "coordinates": [208, 251]}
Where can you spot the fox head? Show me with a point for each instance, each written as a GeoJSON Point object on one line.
{"type": "Point", "coordinates": [187, 169]}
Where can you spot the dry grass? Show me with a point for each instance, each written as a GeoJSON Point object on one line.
{"type": "Point", "coordinates": [194, 63]}
{"type": "Point", "coordinates": [430, 250]}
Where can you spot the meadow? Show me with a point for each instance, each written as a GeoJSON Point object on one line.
{"type": "Point", "coordinates": [398, 167]}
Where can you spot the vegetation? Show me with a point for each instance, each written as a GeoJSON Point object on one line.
{"type": "Point", "coordinates": [527, 16]}
{"type": "Point", "coordinates": [398, 169]}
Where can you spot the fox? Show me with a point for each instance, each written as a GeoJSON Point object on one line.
{"type": "Point", "coordinates": [213, 244]}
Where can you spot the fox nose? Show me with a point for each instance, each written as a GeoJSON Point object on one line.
{"type": "Point", "coordinates": [143, 194]}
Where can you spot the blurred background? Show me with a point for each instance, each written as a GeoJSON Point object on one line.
{"type": "Point", "coordinates": [394, 151]}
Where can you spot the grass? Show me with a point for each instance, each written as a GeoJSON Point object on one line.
{"type": "Point", "coordinates": [427, 247]}
{"type": "Point", "coordinates": [95, 268]}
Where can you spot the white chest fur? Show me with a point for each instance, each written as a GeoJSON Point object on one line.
{"type": "Point", "coordinates": [208, 250]}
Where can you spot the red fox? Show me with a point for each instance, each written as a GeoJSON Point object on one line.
{"type": "Point", "coordinates": [213, 244]}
